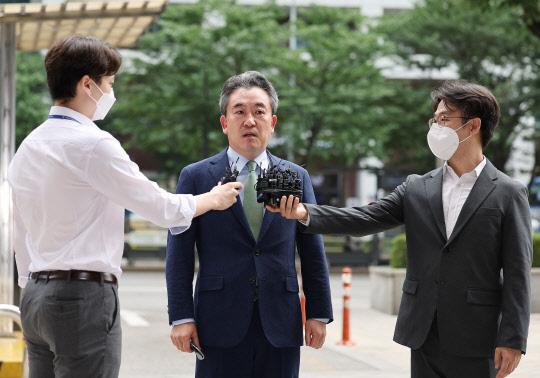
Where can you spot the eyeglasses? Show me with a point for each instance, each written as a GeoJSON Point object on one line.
{"type": "Point", "coordinates": [442, 121]}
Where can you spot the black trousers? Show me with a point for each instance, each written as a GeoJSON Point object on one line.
{"type": "Point", "coordinates": [431, 361]}
{"type": "Point", "coordinates": [254, 357]}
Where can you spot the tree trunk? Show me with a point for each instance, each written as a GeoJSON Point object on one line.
{"type": "Point", "coordinates": [536, 167]}
{"type": "Point", "coordinates": [535, 28]}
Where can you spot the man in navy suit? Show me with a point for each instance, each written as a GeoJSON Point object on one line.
{"type": "Point", "coordinates": [245, 314]}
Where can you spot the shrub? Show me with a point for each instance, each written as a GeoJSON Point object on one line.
{"type": "Point", "coordinates": [536, 250]}
{"type": "Point", "coordinates": [398, 252]}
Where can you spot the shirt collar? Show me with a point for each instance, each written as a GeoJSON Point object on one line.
{"type": "Point", "coordinates": [476, 171]}
{"type": "Point", "coordinates": [62, 110]}
{"type": "Point", "coordinates": [261, 160]}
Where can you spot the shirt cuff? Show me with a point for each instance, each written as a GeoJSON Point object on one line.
{"type": "Point", "coordinates": [304, 222]}
{"type": "Point", "coordinates": [23, 280]}
{"type": "Point", "coordinates": [324, 320]}
{"type": "Point", "coordinates": [187, 320]}
{"type": "Point", "coordinates": [188, 207]}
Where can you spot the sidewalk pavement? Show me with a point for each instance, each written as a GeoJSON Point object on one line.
{"type": "Point", "coordinates": [375, 354]}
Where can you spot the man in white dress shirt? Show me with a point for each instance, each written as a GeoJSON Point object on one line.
{"type": "Point", "coordinates": [71, 182]}
{"type": "Point", "coordinates": [465, 306]}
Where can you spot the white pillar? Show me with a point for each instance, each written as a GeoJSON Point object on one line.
{"type": "Point", "coordinates": [7, 150]}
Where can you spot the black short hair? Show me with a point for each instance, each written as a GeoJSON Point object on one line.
{"type": "Point", "coordinates": [473, 101]}
{"type": "Point", "coordinates": [75, 56]}
{"type": "Point", "coordinates": [248, 79]}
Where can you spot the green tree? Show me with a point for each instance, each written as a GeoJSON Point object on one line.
{"type": "Point", "coordinates": [488, 46]}
{"type": "Point", "coordinates": [335, 106]}
{"type": "Point", "coordinates": [168, 96]}
{"type": "Point", "coordinates": [32, 96]}
{"type": "Point", "coordinates": [333, 97]}
{"type": "Point", "coordinates": [529, 10]}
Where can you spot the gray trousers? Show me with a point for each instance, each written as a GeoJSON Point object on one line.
{"type": "Point", "coordinates": [72, 329]}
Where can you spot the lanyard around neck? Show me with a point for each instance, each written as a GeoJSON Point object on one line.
{"type": "Point", "coordinates": [63, 117]}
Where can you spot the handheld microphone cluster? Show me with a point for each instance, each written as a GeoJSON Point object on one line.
{"type": "Point", "coordinates": [231, 174]}
{"type": "Point", "coordinates": [272, 184]}
{"type": "Point", "coordinates": [275, 183]}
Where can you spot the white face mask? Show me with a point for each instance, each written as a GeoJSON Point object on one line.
{"type": "Point", "coordinates": [444, 141]}
{"type": "Point", "coordinates": [104, 104]}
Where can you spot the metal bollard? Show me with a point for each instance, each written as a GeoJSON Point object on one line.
{"type": "Point", "coordinates": [302, 296]}
{"type": "Point", "coordinates": [346, 276]}
{"type": "Point", "coordinates": [13, 346]}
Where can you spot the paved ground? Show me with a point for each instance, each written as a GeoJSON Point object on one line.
{"type": "Point", "coordinates": [149, 353]}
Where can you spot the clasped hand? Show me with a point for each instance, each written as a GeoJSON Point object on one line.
{"type": "Point", "coordinates": [225, 195]}
{"type": "Point", "coordinates": [290, 208]}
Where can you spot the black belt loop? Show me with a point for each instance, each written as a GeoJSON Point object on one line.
{"type": "Point", "coordinates": [68, 276]}
{"type": "Point", "coordinates": [48, 275]}
{"type": "Point", "coordinates": [37, 277]}
{"type": "Point", "coordinates": [101, 279]}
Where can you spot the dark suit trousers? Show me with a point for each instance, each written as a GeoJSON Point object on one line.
{"type": "Point", "coordinates": [254, 357]}
{"type": "Point", "coordinates": [431, 361]}
{"type": "Point", "coordinates": [72, 329]}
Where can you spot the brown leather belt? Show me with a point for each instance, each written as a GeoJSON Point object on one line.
{"type": "Point", "coordinates": [74, 275]}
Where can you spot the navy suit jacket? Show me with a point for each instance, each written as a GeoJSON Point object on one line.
{"type": "Point", "coordinates": [232, 263]}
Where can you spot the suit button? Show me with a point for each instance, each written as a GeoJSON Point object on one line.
{"type": "Point", "coordinates": [257, 252]}
{"type": "Point", "coordinates": [252, 280]}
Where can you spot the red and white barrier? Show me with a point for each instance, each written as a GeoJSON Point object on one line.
{"type": "Point", "coordinates": [346, 276]}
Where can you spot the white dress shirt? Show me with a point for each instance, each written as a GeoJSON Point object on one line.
{"type": "Point", "coordinates": [71, 182]}
{"type": "Point", "coordinates": [455, 191]}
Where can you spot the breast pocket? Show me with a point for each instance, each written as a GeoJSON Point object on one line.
{"type": "Point", "coordinates": [488, 212]}
{"type": "Point", "coordinates": [484, 229]}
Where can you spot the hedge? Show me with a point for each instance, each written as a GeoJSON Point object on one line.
{"type": "Point", "coordinates": [398, 253]}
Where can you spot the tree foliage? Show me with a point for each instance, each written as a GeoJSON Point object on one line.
{"type": "Point", "coordinates": [32, 97]}
{"type": "Point", "coordinates": [334, 104]}
{"type": "Point", "coordinates": [529, 10]}
{"type": "Point", "coordinates": [336, 107]}
{"type": "Point", "coordinates": [169, 96]}
{"type": "Point", "coordinates": [497, 52]}
{"type": "Point", "coordinates": [332, 97]}
{"type": "Point", "coordinates": [530, 13]}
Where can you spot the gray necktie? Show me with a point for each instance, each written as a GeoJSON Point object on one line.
{"type": "Point", "coordinates": [253, 209]}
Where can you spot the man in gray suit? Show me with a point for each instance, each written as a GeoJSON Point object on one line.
{"type": "Point", "coordinates": [466, 299]}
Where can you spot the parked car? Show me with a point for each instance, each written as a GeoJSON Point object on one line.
{"type": "Point", "coordinates": [143, 239]}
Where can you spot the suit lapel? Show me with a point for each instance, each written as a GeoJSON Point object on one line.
{"type": "Point", "coordinates": [483, 186]}
{"type": "Point", "coordinates": [218, 167]}
{"type": "Point", "coordinates": [434, 195]}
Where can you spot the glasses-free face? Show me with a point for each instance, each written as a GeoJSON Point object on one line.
{"type": "Point", "coordinates": [249, 121]}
